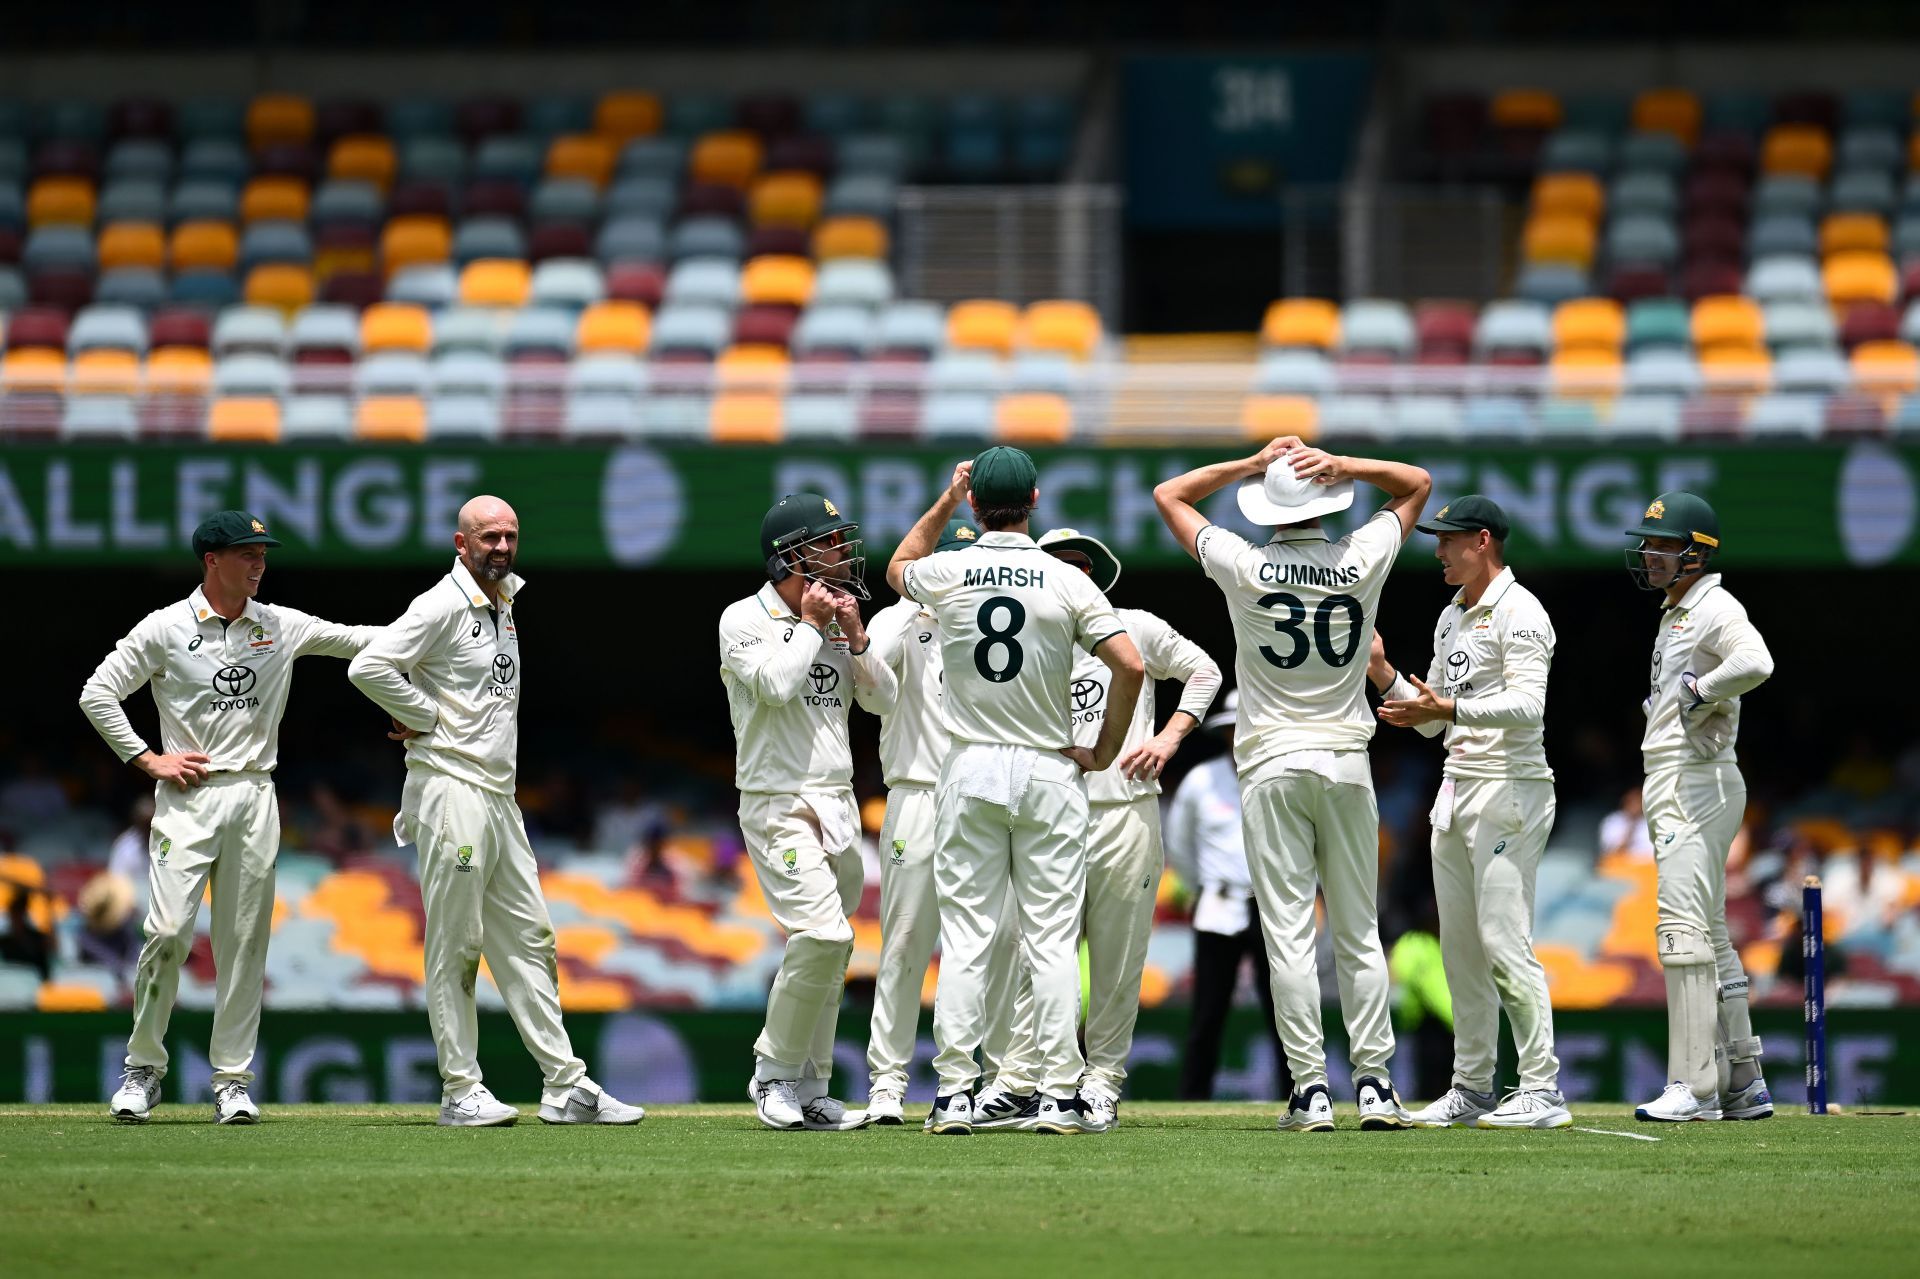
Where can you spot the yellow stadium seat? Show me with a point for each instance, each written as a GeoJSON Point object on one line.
{"type": "Point", "coordinates": [60, 200]}
{"type": "Point", "coordinates": [204, 246]}
{"type": "Point", "coordinates": [332, 261]}
{"type": "Point", "coordinates": [57, 997]}
{"type": "Point", "coordinates": [495, 282]}
{"type": "Point", "coordinates": [982, 325]}
{"type": "Point", "coordinates": [1071, 328]}
{"type": "Point", "coordinates": [582, 155]}
{"type": "Point", "coordinates": [778, 280]}
{"type": "Point", "coordinates": [785, 199]}
{"type": "Point", "coordinates": [752, 366]}
{"type": "Point", "coordinates": [1727, 319]}
{"type": "Point", "coordinates": [1674, 111]}
{"type": "Point", "coordinates": [125, 244]}
{"type": "Point", "coordinates": [1589, 323]}
{"type": "Point", "coordinates": [1558, 238]}
{"type": "Point", "coordinates": [730, 157]}
{"type": "Point", "coordinates": [17, 868]}
{"type": "Point", "coordinates": [1525, 109]}
{"type": "Point", "coordinates": [1797, 148]}
{"type": "Point", "coordinates": [279, 117]}
{"type": "Point", "coordinates": [627, 113]}
{"type": "Point", "coordinates": [622, 327]}
{"type": "Point", "coordinates": [850, 237]}
{"type": "Point", "coordinates": [746, 417]}
{"type": "Point", "coordinates": [362, 157]}
{"type": "Point", "coordinates": [179, 370]}
{"type": "Point", "coordinates": [1265, 417]}
{"type": "Point", "coordinates": [280, 284]}
{"type": "Point", "coordinates": [1886, 368]}
{"type": "Point", "coordinates": [1585, 371]}
{"type": "Point", "coordinates": [413, 240]}
{"type": "Point", "coordinates": [1033, 417]}
{"type": "Point", "coordinates": [104, 373]}
{"type": "Point", "coordinates": [33, 368]}
{"type": "Point", "coordinates": [282, 198]}
{"type": "Point", "coordinates": [1859, 277]}
{"type": "Point", "coordinates": [593, 994]}
{"type": "Point", "coordinates": [395, 326]}
{"type": "Point", "coordinates": [1577, 195]}
{"type": "Point", "coordinates": [1736, 368]}
{"type": "Point", "coordinates": [1311, 322]}
{"type": "Point", "coordinates": [394, 419]}
{"type": "Point", "coordinates": [1853, 233]}
{"type": "Point", "coordinates": [252, 419]}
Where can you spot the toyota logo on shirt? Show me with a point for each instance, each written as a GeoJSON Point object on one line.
{"type": "Point", "coordinates": [233, 681]}
{"type": "Point", "coordinates": [824, 678]}
{"type": "Point", "coordinates": [502, 669]}
{"type": "Point", "coordinates": [1088, 693]}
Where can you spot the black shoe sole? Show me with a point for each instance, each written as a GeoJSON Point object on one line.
{"type": "Point", "coordinates": [889, 1121]}
{"type": "Point", "coordinates": [128, 1117]}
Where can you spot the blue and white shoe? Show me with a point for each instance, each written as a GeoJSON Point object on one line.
{"type": "Point", "coordinates": [1311, 1111]}
{"type": "Point", "coordinates": [1751, 1102]}
{"type": "Point", "coordinates": [1063, 1117]}
{"type": "Point", "coordinates": [1456, 1106]}
{"type": "Point", "coordinates": [998, 1108]}
{"type": "Point", "coordinates": [1380, 1108]}
{"type": "Point", "coordinates": [951, 1116]}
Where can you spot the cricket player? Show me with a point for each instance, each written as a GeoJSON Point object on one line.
{"type": "Point", "coordinates": [1011, 806]}
{"type": "Point", "coordinates": [794, 656]}
{"type": "Point", "coordinates": [448, 671]}
{"type": "Point", "coordinates": [1706, 656]}
{"type": "Point", "coordinates": [913, 743]}
{"type": "Point", "coordinates": [1486, 691]}
{"type": "Point", "coordinates": [1303, 610]}
{"type": "Point", "coordinates": [1124, 856]}
{"type": "Point", "coordinates": [220, 663]}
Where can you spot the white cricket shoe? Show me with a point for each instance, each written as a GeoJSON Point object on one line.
{"type": "Point", "coordinates": [1456, 1106]}
{"type": "Point", "coordinates": [1062, 1116]}
{"type": "Point", "coordinates": [1104, 1109]}
{"type": "Point", "coordinates": [1308, 1112]}
{"type": "Point", "coordinates": [591, 1106]}
{"type": "Point", "coordinates": [1380, 1108]}
{"type": "Point", "coordinates": [231, 1105]}
{"type": "Point", "coordinates": [1529, 1108]}
{"type": "Point", "coordinates": [777, 1102]}
{"type": "Point", "coordinates": [1677, 1105]}
{"type": "Point", "coordinates": [824, 1114]}
{"type": "Point", "coordinates": [134, 1100]}
{"type": "Point", "coordinates": [886, 1107]}
{"type": "Point", "coordinates": [952, 1115]}
{"type": "Point", "coordinates": [1751, 1102]}
{"type": "Point", "coordinates": [996, 1107]}
{"type": "Point", "coordinates": [476, 1108]}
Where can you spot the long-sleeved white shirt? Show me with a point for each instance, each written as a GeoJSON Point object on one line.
{"type": "Point", "coordinates": [1202, 833]}
{"type": "Point", "coordinates": [1167, 654]}
{"type": "Point", "coordinates": [450, 667]}
{"type": "Point", "coordinates": [220, 689]}
{"type": "Point", "coordinates": [789, 690]}
{"type": "Point", "coordinates": [1707, 633]}
{"type": "Point", "coordinates": [913, 735]}
{"type": "Point", "coordinates": [1492, 658]}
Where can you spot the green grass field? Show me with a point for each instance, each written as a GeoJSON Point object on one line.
{"type": "Point", "coordinates": [1202, 1189]}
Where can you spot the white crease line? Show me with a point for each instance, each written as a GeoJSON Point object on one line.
{"type": "Point", "coordinates": [1608, 1132]}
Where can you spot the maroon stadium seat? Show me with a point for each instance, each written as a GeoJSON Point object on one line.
{"type": "Point", "coordinates": [1712, 417]}
{"type": "Point", "coordinates": [559, 240]}
{"type": "Point", "coordinates": [772, 115]}
{"type": "Point", "coordinates": [783, 241]}
{"type": "Point", "coordinates": [1808, 106]}
{"type": "Point", "coordinates": [68, 290]}
{"type": "Point", "coordinates": [1722, 192]}
{"type": "Point", "coordinates": [1630, 282]}
{"type": "Point", "coordinates": [806, 152]}
{"type": "Point", "coordinates": [1713, 237]}
{"type": "Point", "coordinates": [353, 288]}
{"type": "Point", "coordinates": [707, 199]}
{"type": "Point", "coordinates": [420, 196]}
{"type": "Point", "coordinates": [287, 159]}
{"type": "Point", "coordinates": [37, 326]}
{"type": "Point", "coordinates": [494, 197]}
{"type": "Point", "coordinates": [181, 326]}
{"type": "Point", "coordinates": [1869, 322]}
{"type": "Point", "coordinates": [63, 157]}
{"type": "Point", "coordinates": [1452, 123]}
{"type": "Point", "coordinates": [10, 241]}
{"type": "Point", "coordinates": [1704, 279]}
{"type": "Point", "coordinates": [140, 118]}
{"type": "Point", "coordinates": [335, 118]}
{"type": "Point", "coordinates": [1441, 331]}
{"type": "Point", "coordinates": [1850, 414]}
{"type": "Point", "coordinates": [483, 117]}
{"type": "Point", "coordinates": [772, 325]}
{"type": "Point", "coordinates": [1729, 151]}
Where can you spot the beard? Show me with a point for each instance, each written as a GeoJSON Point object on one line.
{"type": "Point", "coordinates": [490, 568]}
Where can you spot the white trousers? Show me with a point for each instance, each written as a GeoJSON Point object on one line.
{"type": "Point", "coordinates": [480, 885]}
{"type": "Point", "coordinates": [1484, 865]}
{"type": "Point", "coordinates": [909, 931]}
{"type": "Point", "coordinates": [1304, 829]}
{"type": "Point", "coordinates": [224, 833]}
{"type": "Point", "coordinates": [811, 890]}
{"type": "Point", "coordinates": [1037, 848]}
{"type": "Point", "coordinates": [1693, 814]}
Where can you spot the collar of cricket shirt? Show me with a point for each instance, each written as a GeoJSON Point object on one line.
{"type": "Point", "coordinates": [770, 600]}
{"type": "Point", "coordinates": [510, 586]}
{"type": "Point", "coordinates": [1697, 591]}
{"type": "Point", "coordinates": [1005, 538]}
{"type": "Point", "coordinates": [1283, 536]}
{"type": "Point", "coordinates": [203, 608]}
{"type": "Point", "coordinates": [1502, 582]}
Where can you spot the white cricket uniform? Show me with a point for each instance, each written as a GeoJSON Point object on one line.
{"type": "Point", "coordinates": [1696, 800]}
{"type": "Point", "coordinates": [449, 667]}
{"type": "Point", "coordinates": [1124, 856]}
{"type": "Point", "coordinates": [220, 690]}
{"type": "Point", "coordinates": [1303, 611]}
{"type": "Point", "coordinates": [1010, 808]}
{"type": "Point", "coordinates": [1491, 821]}
{"type": "Point", "coordinates": [789, 690]}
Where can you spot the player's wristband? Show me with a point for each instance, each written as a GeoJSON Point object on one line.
{"type": "Point", "coordinates": [860, 652]}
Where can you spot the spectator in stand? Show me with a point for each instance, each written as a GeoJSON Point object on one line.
{"type": "Point", "coordinates": [622, 824]}
{"type": "Point", "coordinates": [129, 857]}
{"type": "Point", "coordinates": [109, 936]}
{"type": "Point", "coordinates": [336, 835]}
{"type": "Point", "coordinates": [647, 865]}
{"type": "Point", "coordinates": [24, 941]}
{"type": "Point", "coordinates": [34, 795]}
{"type": "Point", "coordinates": [1864, 894]}
{"type": "Point", "coordinates": [1625, 829]}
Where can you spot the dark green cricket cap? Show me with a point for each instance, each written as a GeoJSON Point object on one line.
{"type": "Point", "coordinates": [230, 528]}
{"type": "Point", "coordinates": [1004, 477]}
{"type": "Point", "coordinates": [1469, 514]}
{"type": "Point", "coordinates": [957, 534]}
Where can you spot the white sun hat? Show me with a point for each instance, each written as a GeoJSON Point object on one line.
{"type": "Point", "coordinates": [1229, 712]}
{"type": "Point", "coordinates": [1281, 497]}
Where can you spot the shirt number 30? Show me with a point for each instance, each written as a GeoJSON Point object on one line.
{"type": "Point", "coordinates": [1290, 626]}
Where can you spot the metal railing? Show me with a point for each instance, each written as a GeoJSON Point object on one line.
{"type": "Point", "coordinates": [1395, 241]}
{"type": "Point", "coordinates": [1019, 244]}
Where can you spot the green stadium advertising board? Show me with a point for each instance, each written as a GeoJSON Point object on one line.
{"type": "Point", "coordinates": [1829, 506]}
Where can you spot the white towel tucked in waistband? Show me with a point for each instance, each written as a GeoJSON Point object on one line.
{"type": "Point", "coordinates": [996, 774]}
{"type": "Point", "coordinates": [839, 823]}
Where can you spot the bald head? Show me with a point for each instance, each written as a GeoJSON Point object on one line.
{"type": "Point", "coordinates": [488, 539]}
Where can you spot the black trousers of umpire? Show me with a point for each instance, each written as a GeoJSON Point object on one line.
{"type": "Point", "coordinates": [1216, 971]}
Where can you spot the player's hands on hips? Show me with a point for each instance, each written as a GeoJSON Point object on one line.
{"type": "Point", "coordinates": [1081, 755]}
{"type": "Point", "coordinates": [185, 769]}
{"type": "Point", "coordinates": [1317, 465]}
{"type": "Point", "coordinates": [401, 732]}
{"type": "Point", "coordinates": [1145, 762]}
{"type": "Point", "coordinates": [1424, 709]}
{"type": "Point", "coordinates": [1692, 705]}
{"type": "Point", "coordinates": [817, 604]}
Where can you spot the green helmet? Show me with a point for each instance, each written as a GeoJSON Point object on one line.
{"type": "Point", "coordinates": [796, 533]}
{"type": "Point", "coordinates": [1681, 515]}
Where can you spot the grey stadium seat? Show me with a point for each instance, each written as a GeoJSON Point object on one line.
{"type": "Point", "coordinates": [1513, 325]}
{"type": "Point", "coordinates": [1786, 193]}
{"type": "Point", "coordinates": [880, 155]}
{"type": "Point", "coordinates": [703, 281]}
{"type": "Point", "coordinates": [1652, 152]}
{"type": "Point", "coordinates": [316, 417]}
{"type": "Point", "coordinates": [249, 328]}
{"type": "Point", "coordinates": [344, 201]}
{"type": "Point", "coordinates": [620, 377]}
{"type": "Point", "coordinates": [868, 195]}
{"type": "Point", "coordinates": [650, 195]}
{"type": "Point", "coordinates": [325, 327]}
{"type": "Point", "coordinates": [274, 241]}
{"type": "Point", "coordinates": [390, 373]}
{"type": "Point", "coordinates": [432, 159]}
{"type": "Point", "coordinates": [853, 282]}
{"type": "Point", "coordinates": [138, 158]}
{"type": "Point", "coordinates": [461, 328]}
{"type": "Point", "coordinates": [107, 327]}
{"type": "Point", "coordinates": [222, 160]}
{"type": "Point", "coordinates": [250, 374]}
{"type": "Point", "coordinates": [1863, 191]}
{"type": "Point", "coordinates": [538, 328]}
{"type": "Point", "coordinates": [652, 158]}
{"type": "Point", "coordinates": [133, 200]}
{"type": "Point", "coordinates": [829, 418]}
{"type": "Point", "coordinates": [1643, 192]}
{"type": "Point", "coordinates": [1643, 238]}
{"type": "Point", "coordinates": [1661, 372]}
{"type": "Point", "coordinates": [214, 199]}
{"type": "Point", "coordinates": [910, 326]}
{"type": "Point", "coordinates": [1794, 323]}
{"type": "Point", "coordinates": [1294, 372]}
{"type": "Point", "coordinates": [1576, 151]}
{"type": "Point", "coordinates": [1377, 325]}
{"type": "Point", "coordinates": [1646, 417]}
{"type": "Point", "coordinates": [1783, 413]}
{"type": "Point", "coordinates": [432, 286]}
{"type": "Point", "coordinates": [463, 416]}
{"type": "Point", "coordinates": [136, 286]}
{"type": "Point", "coordinates": [466, 373]}
{"type": "Point", "coordinates": [1785, 278]}
{"type": "Point", "coordinates": [835, 328]}
{"type": "Point", "coordinates": [706, 237]}
{"type": "Point", "coordinates": [565, 200]}
{"type": "Point", "coordinates": [631, 238]}
{"type": "Point", "coordinates": [488, 236]}
{"type": "Point", "coordinates": [99, 417]}
{"type": "Point", "coordinates": [569, 283]}
{"type": "Point", "coordinates": [1783, 234]}
{"type": "Point", "coordinates": [967, 415]}
{"type": "Point", "coordinates": [698, 328]}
